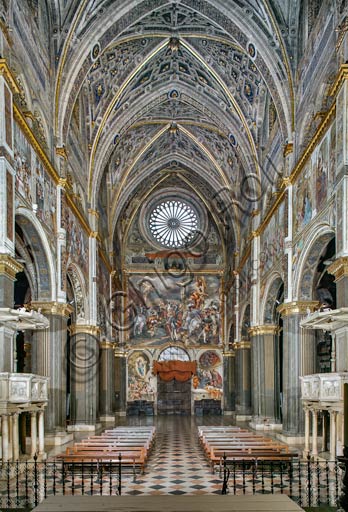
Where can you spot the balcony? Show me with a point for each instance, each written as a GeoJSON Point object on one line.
{"type": "Point", "coordinates": [22, 391]}
{"type": "Point", "coordinates": [323, 387]}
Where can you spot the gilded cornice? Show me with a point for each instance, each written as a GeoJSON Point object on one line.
{"type": "Point", "coordinates": [106, 345]}
{"type": "Point", "coordinates": [53, 308]}
{"type": "Point", "coordinates": [6, 72]}
{"type": "Point", "coordinates": [339, 268]}
{"type": "Point", "coordinates": [297, 307]}
{"type": "Point", "coordinates": [93, 330]}
{"type": "Point", "coordinates": [9, 266]}
{"type": "Point", "coordinates": [288, 149]}
{"type": "Point", "coordinates": [259, 330]}
{"type": "Point", "coordinates": [20, 118]}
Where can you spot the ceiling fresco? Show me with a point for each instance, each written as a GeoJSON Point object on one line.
{"type": "Point", "coordinates": [183, 85]}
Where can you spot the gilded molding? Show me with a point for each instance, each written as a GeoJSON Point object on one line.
{"type": "Point", "coordinates": [93, 212]}
{"type": "Point", "coordinates": [288, 149]}
{"type": "Point", "coordinates": [9, 266]}
{"type": "Point", "coordinates": [297, 307]}
{"type": "Point", "coordinates": [230, 353]}
{"type": "Point", "coordinates": [53, 308]}
{"type": "Point", "coordinates": [6, 72]}
{"type": "Point", "coordinates": [339, 268]}
{"type": "Point", "coordinates": [119, 352]}
{"type": "Point", "coordinates": [107, 345]}
{"type": "Point", "coordinates": [239, 345]}
{"type": "Point", "coordinates": [93, 330]}
{"type": "Point", "coordinates": [341, 77]}
{"type": "Point", "coordinates": [20, 118]}
{"type": "Point", "coordinates": [61, 151]}
{"type": "Point", "coordinates": [258, 330]}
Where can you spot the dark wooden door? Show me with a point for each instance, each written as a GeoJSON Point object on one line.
{"type": "Point", "coordinates": [173, 397]}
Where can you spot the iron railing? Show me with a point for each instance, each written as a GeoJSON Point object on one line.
{"type": "Point", "coordinates": [26, 484]}
{"type": "Point", "coordinates": [308, 483]}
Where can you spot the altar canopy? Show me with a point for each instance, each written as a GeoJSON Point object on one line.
{"type": "Point", "coordinates": [178, 370]}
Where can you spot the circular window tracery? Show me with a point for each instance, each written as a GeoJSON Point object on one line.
{"type": "Point", "coordinates": [173, 223]}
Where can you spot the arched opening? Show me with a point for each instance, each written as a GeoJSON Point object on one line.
{"type": "Point", "coordinates": [173, 395]}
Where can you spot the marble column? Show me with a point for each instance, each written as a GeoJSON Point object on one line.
{"type": "Point", "coordinates": [42, 453]}
{"type": "Point", "coordinates": [255, 356]}
{"type": "Point", "coordinates": [243, 379]}
{"type": "Point", "coordinates": [333, 434]}
{"type": "Point", "coordinates": [5, 438]}
{"type": "Point", "coordinates": [33, 433]}
{"type": "Point", "coordinates": [49, 358]}
{"type": "Point", "coordinates": [120, 389]}
{"type": "Point", "coordinates": [15, 437]}
{"type": "Point", "coordinates": [314, 432]}
{"type": "Point", "coordinates": [294, 365]}
{"type": "Point", "coordinates": [307, 432]}
{"type": "Point", "coordinates": [84, 375]}
{"type": "Point", "coordinates": [106, 381]}
{"type": "Point", "coordinates": [229, 390]}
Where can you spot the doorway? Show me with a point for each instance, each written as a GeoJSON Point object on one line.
{"type": "Point", "coordinates": [173, 397]}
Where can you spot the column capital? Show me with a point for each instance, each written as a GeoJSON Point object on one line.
{"type": "Point", "coordinates": [300, 307]}
{"type": "Point", "coordinates": [339, 268]}
{"type": "Point", "coordinates": [229, 353]}
{"type": "Point", "coordinates": [9, 266]}
{"type": "Point", "coordinates": [53, 308]}
{"type": "Point", "coordinates": [119, 352]}
{"type": "Point", "coordinates": [256, 330]}
{"type": "Point", "coordinates": [93, 330]}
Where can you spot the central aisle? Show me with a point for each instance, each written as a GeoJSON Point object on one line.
{"type": "Point", "coordinates": [177, 464]}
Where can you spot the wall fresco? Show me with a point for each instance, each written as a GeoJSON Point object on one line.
{"type": "Point", "coordinates": [141, 381]}
{"type": "Point", "coordinates": [208, 380]}
{"type": "Point", "coordinates": [22, 164]}
{"type": "Point", "coordinates": [164, 308]}
{"type": "Point", "coordinates": [272, 241]}
{"type": "Point", "coordinates": [77, 247]}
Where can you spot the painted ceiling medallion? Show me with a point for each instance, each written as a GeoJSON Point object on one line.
{"type": "Point", "coordinates": [173, 223]}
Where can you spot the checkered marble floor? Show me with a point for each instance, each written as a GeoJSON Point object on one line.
{"type": "Point", "coordinates": [176, 465]}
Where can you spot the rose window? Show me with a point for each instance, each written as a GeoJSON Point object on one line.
{"type": "Point", "coordinates": [173, 223]}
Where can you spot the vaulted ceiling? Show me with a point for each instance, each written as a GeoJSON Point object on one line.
{"type": "Point", "coordinates": [174, 89]}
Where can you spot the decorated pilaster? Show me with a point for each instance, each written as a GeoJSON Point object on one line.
{"type": "Point", "coordinates": [294, 365]}
{"type": "Point", "coordinates": [9, 267]}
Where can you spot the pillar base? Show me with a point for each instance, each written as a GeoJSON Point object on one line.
{"type": "Point", "coordinates": [120, 413]}
{"type": "Point", "coordinates": [228, 413]}
{"type": "Point", "coordinates": [265, 424]}
{"type": "Point", "coordinates": [243, 417]}
{"type": "Point", "coordinates": [58, 438]}
{"type": "Point", "coordinates": [291, 439]}
{"type": "Point", "coordinates": [83, 427]}
{"type": "Point", "coordinates": [107, 418]}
